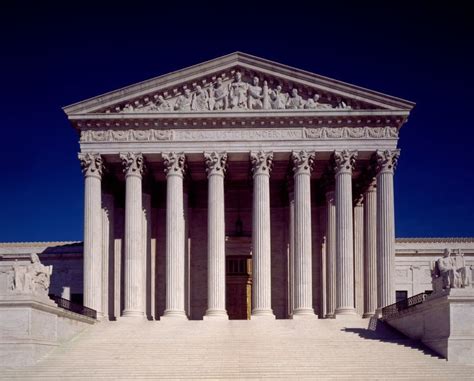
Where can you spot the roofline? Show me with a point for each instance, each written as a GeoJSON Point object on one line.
{"type": "Point", "coordinates": [234, 58]}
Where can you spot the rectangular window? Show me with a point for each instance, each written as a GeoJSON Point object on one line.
{"type": "Point", "coordinates": [401, 295]}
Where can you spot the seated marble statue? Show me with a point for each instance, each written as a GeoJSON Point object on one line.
{"type": "Point", "coordinates": [31, 278]}
{"type": "Point", "coordinates": [452, 270]}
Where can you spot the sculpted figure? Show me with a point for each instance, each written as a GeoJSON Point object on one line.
{"type": "Point", "coordinates": [162, 104]}
{"type": "Point", "coordinates": [127, 108]}
{"type": "Point", "coordinates": [266, 96]}
{"type": "Point", "coordinates": [255, 95]}
{"type": "Point", "coordinates": [183, 103]}
{"type": "Point", "coordinates": [148, 105]}
{"type": "Point", "coordinates": [341, 104]}
{"type": "Point", "coordinates": [313, 104]}
{"type": "Point", "coordinates": [238, 93]}
{"type": "Point", "coordinates": [200, 100]}
{"type": "Point", "coordinates": [447, 270]}
{"type": "Point", "coordinates": [278, 99]}
{"type": "Point", "coordinates": [218, 96]}
{"type": "Point", "coordinates": [295, 101]}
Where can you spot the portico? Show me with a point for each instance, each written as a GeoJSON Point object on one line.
{"type": "Point", "coordinates": [184, 165]}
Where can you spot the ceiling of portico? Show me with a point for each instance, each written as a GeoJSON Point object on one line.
{"type": "Point", "coordinates": [234, 85]}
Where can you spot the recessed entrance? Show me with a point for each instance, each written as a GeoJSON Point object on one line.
{"type": "Point", "coordinates": [238, 278]}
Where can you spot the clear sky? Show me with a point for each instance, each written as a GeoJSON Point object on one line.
{"type": "Point", "coordinates": [53, 55]}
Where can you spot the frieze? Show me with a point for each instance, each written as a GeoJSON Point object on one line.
{"type": "Point", "coordinates": [152, 135]}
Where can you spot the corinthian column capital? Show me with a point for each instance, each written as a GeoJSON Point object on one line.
{"type": "Point", "coordinates": [386, 161]}
{"type": "Point", "coordinates": [303, 162]}
{"type": "Point", "coordinates": [175, 163]}
{"type": "Point", "coordinates": [216, 163]}
{"type": "Point", "coordinates": [262, 162]}
{"type": "Point", "coordinates": [344, 161]}
{"type": "Point", "coordinates": [91, 164]}
{"type": "Point", "coordinates": [133, 164]}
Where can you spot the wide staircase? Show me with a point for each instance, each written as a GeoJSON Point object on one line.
{"type": "Point", "coordinates": [281, 349]}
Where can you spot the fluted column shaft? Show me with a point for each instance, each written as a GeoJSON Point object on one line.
{"type": "Point", "coordinates": [386, 163]}
{"type": "Point", "coordinates": [344, 161]}
{"type": "Point", "coordinates": [92, 167]}
{"type": "Point", "coordinates": [370, 251]}
{"type": "Point", "coordinates": [291, 251]}
{"type": "Point", "coordinates": [303, 293]}
{"type": "Point", "coordinates": [175, 255]}
{"type": "Point", "coordinates": [216, 165]}
{"type": "Point", "coordinates": [331, 253]}
{"type": "Point", "coordinates": [107, 252]}
{"type": "Point", "coordinates": [359, 255]}
{"type": "Point", "coordinates": [261, 246]}
{"type": "Point", "coordinates": [134, 253]}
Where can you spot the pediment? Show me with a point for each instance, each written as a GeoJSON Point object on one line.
{"type": "Point", "coordinates": [237, 83]}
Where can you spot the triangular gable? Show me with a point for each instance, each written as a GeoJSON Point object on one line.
{"type": "Point", "coordinates": [237, 82]}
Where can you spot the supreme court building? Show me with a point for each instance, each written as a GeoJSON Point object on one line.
{"type": "Point", "coordinates": [239, 188]}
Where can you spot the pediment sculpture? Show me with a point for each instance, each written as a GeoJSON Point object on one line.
{"type": "Point", "coordinates": [27, 277]}
{"type": "Point", "coordinates": [234, 94]}
{"type": "Point", "coordinates": [451, 271]}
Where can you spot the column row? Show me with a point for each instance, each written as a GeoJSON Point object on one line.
{"type": "Point", "coordinates": [373, 249]}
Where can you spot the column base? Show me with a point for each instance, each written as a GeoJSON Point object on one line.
{"type": "Point", "coordinates": [216, 315]}
{"type": "Point", "coordinates": [346, 313]}
{"type": "Point", "coordinates": [262, 314]}
{"type": "Point", "coordinates": [133, 314]}
{"type": "Point", "coordinates": [367, 315]}
{"type": "Point", "coordinates": [174, 314]}
{"type": "Point", "coordinates": [303, 313]}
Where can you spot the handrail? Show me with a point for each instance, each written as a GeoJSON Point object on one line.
{"type": "Point", "coordinates": [74, 307]}
{"type": "Point", "coordinates": [403, 305]}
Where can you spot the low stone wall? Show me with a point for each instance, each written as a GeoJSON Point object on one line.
{"type": "Point", "coordinates": [31, 326]}
{"type": "Point", "coordinates": [444, 323]}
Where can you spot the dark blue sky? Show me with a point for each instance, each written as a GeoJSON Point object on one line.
{"type": "Point", "coordinates": [53, 55]}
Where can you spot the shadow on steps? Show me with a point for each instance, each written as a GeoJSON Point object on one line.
{"type": "Point", "coordinates": [380, 331]}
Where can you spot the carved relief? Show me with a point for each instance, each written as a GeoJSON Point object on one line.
{"type": "Point", "coordinates": [29, 278]}
{"type": "Point", "coordinates": [133, 163]}
{"type": "Point", "coordinates": [303, 162]}
{"type": "Point", "coordinates": [216, 162]}
{"type": "Point", "coordinates": [174, 163]}
{"type": "Point", "coordinates": [262, 162]}
{"type": "Point", "coordinates": [344, 161]}
{"type": "Point", "coordinates": [231, 91]}
{"type": "Point", "coordinates": [91, 164]}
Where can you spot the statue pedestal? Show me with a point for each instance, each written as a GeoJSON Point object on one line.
{"type": "Point", "coordinates": [32, 325]}
{"type": "Point", "coordinates": [444, 322]}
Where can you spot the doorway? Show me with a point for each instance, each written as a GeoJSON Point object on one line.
{"type": "Point", "coordinates": [238, 278]}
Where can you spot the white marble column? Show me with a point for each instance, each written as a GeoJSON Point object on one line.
{"type": "Point", "coordinates": [331, 253]}
{"type": "Point", "coordinates": [216, 163]}
{"type": "Point", "coordinates": [344, 162]}
{"type": "Point", "coordinates": [261, 243]}
{"type": "Point", "coordinates": [107, 253]}
{"type": "Point", "coordinates": [303, 292]}
{"type": "Point", "coordinates": [370, 250]}
{"type": "Point", "coordinates": [175, 247]}
{"type": "Point", "coordinates": [146, 247]}
{"type": "Point", "coordinates": [386, 163]}
{"type": "Point", "coordinates": [291, 248]}
{"type": "Point", "coordinates": [134, 253]}
{"type": "Point", "coordinates": [92, 167]}
{"type": "Point", "coordinates": [359, 254]}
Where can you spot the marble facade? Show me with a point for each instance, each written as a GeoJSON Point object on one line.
{"type": "Point", "coordinates": [264, 144]}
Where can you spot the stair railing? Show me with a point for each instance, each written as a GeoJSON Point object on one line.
{"type": "Point", "coordinates": [403, 305]}
{"type": "Point", "coordinates": [74, 307]}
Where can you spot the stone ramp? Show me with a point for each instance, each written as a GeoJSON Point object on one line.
{"type": "Point", "coordinates": [281, 349]}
